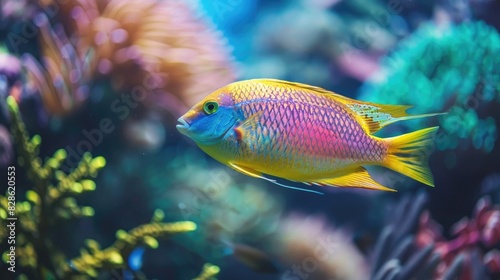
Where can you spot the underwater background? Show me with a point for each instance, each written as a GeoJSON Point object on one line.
{"type": "Point", "coordinates": [107, 188]}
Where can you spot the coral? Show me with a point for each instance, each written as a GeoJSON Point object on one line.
{"type": "Point", "coordinates": [395, 255]}
{"type": "Point", "coordinates": [63, 80]}
{"type": "Point", "coordinates": [482, 231]}
{"type": "Point", "coordinates": [410, 246]}
{"type": "Point", "coordinates": [51, 201]}
{"type": "Point", "coordinates": [319, 252]}
{"type": "Point", "coordinates": [159, 46]}
{"type": "Point", "coordinates": [452, 69]}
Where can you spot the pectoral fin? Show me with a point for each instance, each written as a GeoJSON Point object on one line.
{"type": "Point", "coordinates": [247, 125]}
{"type": "Point", "coordinates": [358, 178]}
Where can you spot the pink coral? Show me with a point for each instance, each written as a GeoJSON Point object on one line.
{"type": "Point", "coordinates": [483, 229]}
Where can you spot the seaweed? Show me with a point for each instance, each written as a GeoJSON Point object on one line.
{"type": "Point", "coordinates": [49, 201]}
{"type": "Point", "coordinates": [95, 258]}
{"type": "Point", "coordinates": [208, 273]}
{"type": "Point", "coordinates": [52, 200]}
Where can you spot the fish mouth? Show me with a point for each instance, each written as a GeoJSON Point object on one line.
{"type": "Point", "coordinates": [183, 127]}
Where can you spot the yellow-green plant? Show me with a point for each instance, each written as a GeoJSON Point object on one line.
{"type": "Point", "coordinates": [208, 273]}
{"type": "Point", "coordinates": [52, 200]}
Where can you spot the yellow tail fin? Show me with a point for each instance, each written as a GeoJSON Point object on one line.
{"type": "Point", "coordinates": [408, 153]}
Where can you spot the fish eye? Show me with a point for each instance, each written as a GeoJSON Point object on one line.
{"type": "Point", "coordinates": [210, 107]}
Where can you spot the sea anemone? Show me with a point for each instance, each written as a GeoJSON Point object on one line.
{"type": "Point", "coordinates": [149, 45]}
{"type": "Point", "coordinates": [62, 78]}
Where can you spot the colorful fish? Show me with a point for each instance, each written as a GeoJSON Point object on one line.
{"type": "Point", "coordinates": [306, 134]}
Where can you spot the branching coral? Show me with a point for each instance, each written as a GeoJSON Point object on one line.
{"type": "Point", "coordinates": [453, 69]}
{"type": "Point", "coordinates": [52, 201]}
{"type": "Point", "coordinates": [160, 46]}
{"type": "Point", "coordinates": [409, 249]}
{"type": "Point", "coordinates": [396, 255]}
{"type": "Point", "coordinates": [482, 230]}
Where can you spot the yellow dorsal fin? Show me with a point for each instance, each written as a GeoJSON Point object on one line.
{"type": "Point", "coordinates": [372, 116]}
{"type": "Point", "coordinates": [376, 116]}
{"type": "Point", "coordinates": [358, 178]}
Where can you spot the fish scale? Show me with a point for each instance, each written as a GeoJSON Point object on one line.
{"type": "Point", "coordinates": [318, 135]}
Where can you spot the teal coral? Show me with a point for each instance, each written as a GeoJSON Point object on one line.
{"type": "Point", "coordinates": [454, 69]}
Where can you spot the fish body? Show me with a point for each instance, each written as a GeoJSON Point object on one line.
{"type": "Point", "coordinates": [303, 133]}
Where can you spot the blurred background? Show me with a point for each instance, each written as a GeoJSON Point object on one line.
{"type": "Point", "coordinates": [107, 188]}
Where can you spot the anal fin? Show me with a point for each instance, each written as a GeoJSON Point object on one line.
{"type": "Point", "coordinates": [245, 170]}
{"type": "Point", "coordinates": [358, 178]}
{"type": "Point", "coordinates": [256, 174]}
